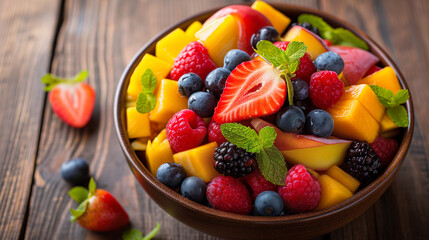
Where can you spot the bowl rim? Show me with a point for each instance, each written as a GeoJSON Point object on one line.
{"type": "Point", "coordinates": [366, 192]}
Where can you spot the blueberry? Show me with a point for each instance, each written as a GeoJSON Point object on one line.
{"type": "Point", "coordinates": [235, 57]}
{"type": "Point", "coordinates": [269, 203]}
{"type": "Point", "coordinates": [75, 171]}
{"type": "Point", "coordinates": [171, 174]}
{"type": "Point", "coordinates": [319, 123]}
{"type": "Point", "coordinates": [330, 61]}
{"type": "Point", "coordinates": [301, 90]}
{"type": "Point", "coordinates": [305, 105]}
{"type": "Point", "coordinates": [266, 33]}
{"type": "Point", "coordinates": [190, 83]}
{"type": "Point", "coordinates": [215, 80]}
{"type": "Point", "coordinates": [194, 188]}
{"type": "Point", "coordinates": [202, 103]}
{"type": "Point", "coordinates": [291, 119]}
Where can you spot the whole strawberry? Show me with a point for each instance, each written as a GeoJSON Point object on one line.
{"type": "Point", "coordinates": [71, 99]}
{"type": "Point", "coordinates": [194, 58]}
{"type": "Point", "coordinates": [98, 210]}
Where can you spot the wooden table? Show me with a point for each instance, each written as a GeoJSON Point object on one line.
{"type": "Point", "coordinates": [65, 36]}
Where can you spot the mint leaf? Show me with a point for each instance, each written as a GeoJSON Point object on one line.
{"type": "Point", "coordinates": [349, 39]}
{"type": "Point", "coordinates": [91, 187]}
{"type": "Point", "coordinates": [241, 136]}
{"type": "Point", "coordinates": [52, 80]}
{"type": "Point", "coordinates": [146, 100]}
{"type": "Point", "coordinates": [79, 211]}
{"type": "Point", "coordinates": [294, 51]}
{"type": "Point", "coordinates": [399, 115]}
{"type": "Point", "coordinates": [272, 165]}
{"type": "Point", "coordinates": [384, 95]}
{"type": "Point", "coordinates": [400, 97]}
{"type": "Point", "coordinates": [148, 81]}
{"type": "Point", "coordinates": [273, 54]}
{"type": "Point", "coordinates": [132, 234]}
{"type": "Point", "coordinates": [153, 232]}
{"type": "Point", "coordinates": [78, 194]}
{"type": "Point", "coordinates": [267, 136]}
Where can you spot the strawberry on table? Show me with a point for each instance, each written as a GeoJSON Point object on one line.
{"type": "Point", "coordinates": [71, 99]}
{"type": "Point", "coordinates": [98, 210]}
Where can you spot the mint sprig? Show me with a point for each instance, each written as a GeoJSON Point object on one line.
{"type": "Point", "coordinates": [134, 234]}
{"type": "Point", "coordinates": [51, 80]}
{"type": "Point", "coordinates": [393, 102]}
{"type": "Point", "coordinates": [286, 62]}
{"type": "Point", "coordinates": [146, 99]}
{"type": "Point", "coordinates": [338, 36]}
{"type": "Point", "coordinates": [269, 158]}
{"type": "Point", "coordinates": [81, 196]}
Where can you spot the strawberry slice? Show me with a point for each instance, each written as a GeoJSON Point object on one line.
{"type": "Point", "coordinates": [72, 100]}
{"type": "Point", "coordinates": [253, 89]}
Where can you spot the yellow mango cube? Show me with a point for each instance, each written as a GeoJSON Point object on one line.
{"type": "Point", "coordinates": [170, 46]}
{"type": "Point", "coordinates": [385, 78]}
{"type": "Point", "coordinates": [159, 67]}
{"type": "Point", "coordinates": [138, 124]}
{"type": "Point", "coordinates": [140, 144]}
{"type": "Point", "coordinates": [332, 193]}
{"type": "Point", "coordinates": [388, 128]}
{"type": "Point", "coordinates": [198, 161]}
{"type": "Point", "coordinates": [193, 28]}
{"type": "Point", "coordinates": [158, 152]}
{"type": "Point", "coordinates": [277, 18]}
{"type": "Point", "coordinates": [353, 121]}
{"type": "Point", "coordinates": [219, 36]}
{"type": "Point", "coordinates": [344, 178]}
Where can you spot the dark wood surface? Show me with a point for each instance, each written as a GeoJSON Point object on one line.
{"type": "Point", "coordinates": [64, 36]}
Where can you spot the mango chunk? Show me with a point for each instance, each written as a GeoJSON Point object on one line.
{"type": "Point", "coordinates": [168, 101]}
{"type": "Point", "coordinates": [387, 127]}
{"type": "Point", "coordinates": [138, 124]}
{"type": "Point", "coordinates": [344, 178]}
{"type": "Point", "coordinates": [158, 152]}
{"type": "Point", "coordinates": [219, 36]}
{"type": "Point", "coordinates": [332, 193]}
{"type": "Point", "coordinates": [159, 67]}
{"type": "Point", "coordinates": [277, 18]}
{"type": "Point", "coordinates": [198, 161]}
{"type": "Point", "coordinates": [353, 121]}
{"type": "Point", "coordinates": [170, 46]}
{"type": "Point", "coordinates": [140, 144]}
{"type": "Point", "coordinates": [193, 28]}
{"type": "Point", "coordinates": [385, 78]}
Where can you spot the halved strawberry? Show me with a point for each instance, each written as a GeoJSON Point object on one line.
{"type": "Point", "coordinates": [72, 100]}
{"type": "Point", "coordinates": [253, 89]}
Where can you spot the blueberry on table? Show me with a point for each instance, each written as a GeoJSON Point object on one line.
{"type": "Point", "coordinates": [202, 103]}
{"type": "Point", "coordinates": [301, 90]}
{"type": "Point", "coordinates": [319, 123]}
{"type": "Point", "coordinates": [75, 171]}
{"type": "Point", "coordinates": [330, 61]}
{"type": "Point", "coordinates": [194, 188]}
{"type": "Point", "coordinates": [190, 83]}
{"type": "Point", "coordinates": [171, 174]}
{"type": "Point", "coordinates": [266, 33]}
{"type": "Point", "coordinates": [235, 57]}
{"type": "Point", "coordinates": [291, 119]}
{"type": "Point", "coordinates": [215, 81]}
{"type": "Point", "coordinates": [269, 203]}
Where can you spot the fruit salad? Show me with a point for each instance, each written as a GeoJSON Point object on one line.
{"type": "Point", "coordinates": [254, 113]}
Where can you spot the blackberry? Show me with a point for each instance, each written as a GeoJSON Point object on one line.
{"type": "Point", "coordinates": [230, 160]}
{"type": "Point", "coordinates": [308, 26]}
{"type": "Point", "coordinates": [361, 161]}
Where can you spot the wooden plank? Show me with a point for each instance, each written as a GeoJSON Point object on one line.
{"type": "Point", "coordinates": [402, 212]}
{"type": "Point", "coordinates": [26, 36]}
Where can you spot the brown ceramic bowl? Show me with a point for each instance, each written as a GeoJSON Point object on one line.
{"type": "Point", "coordinates": [234, 226]}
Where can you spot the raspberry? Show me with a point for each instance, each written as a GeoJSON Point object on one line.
{"type": "Point", "coordinates": [361, 162]}
{"type": "Point", "coordinates": [258, 184]}
{"type": "Point", "coordinates": [301, 192]}
{"type": "Point", "coordinates": [193, 58]}
{"type": "Point", "coordinates": [230, 160]}
{"type": "Point", "coordinates": [215, 134]}
{"type": "Point", "coordinates": [185, 130]}
{"type": "Point", "coordinates": [305, 67]}
{"type": "Point", "coordinates": [229, 194]}
{"type": "Point", "coordinates": [386, 149]}
{"type": "Point", "coordinates": [325, 89]}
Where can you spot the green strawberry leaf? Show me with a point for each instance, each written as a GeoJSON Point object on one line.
{"type": "Point", "coordinates": [290, 92]}
{"type": "Point", "coordinates": [267, 136]}
{"type": "Point", "coordinates": [273, 54]}
{"type": "Point", "coordinates": [78, 194]}
{"type": "Point", "coordinates": [294, 51]}
{"type": "Point", "coordinates": [134, 234]}
{"type": "Point", "coordinates": [272, 165]}
{"type": "Point", "coordinates": [91, 187]}
{"type": "Point", "coordinates": [152, 233]}
{"type": "Point", "coordinates": [384, 95]}
{"type": "Point", "coordinates": [52, 81]}
{"type": "Point", "coordinates": [145, 102]}
{"type": "Point", "coordinates": [400, 97]}
{"type": "Point", "coordinates": [79, 211]}
{"type": "Point", "coordinates": [148, 81]}
{"type": "Point", "coordinates": [399, 115]}
{"type": "Point", "coordinates": [241, 136]}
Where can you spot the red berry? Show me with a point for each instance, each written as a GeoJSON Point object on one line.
{"type": "Point", "coordinates": [386, 149]}
{"type": "Point", "coordinates": [301, 192]}
{"type": "Point", "coordinates": [229, 194]}
{"type": "Point", "coordinates": [305, 67]}
{"type": "Point", "coordinates": [185, 130]}
{"type": "Point", "coordinates": [372, 70]}
{"type": "Point", "coordinates": [215, 134]}
{"type": "Point", "coordinates": [258, 184]}
{"type": "Point", "coordinates": [327, 42]}
{"type": "Point", "coordinates": [193, 58]}
{"type": "Point", "coordinates": [325, 89]}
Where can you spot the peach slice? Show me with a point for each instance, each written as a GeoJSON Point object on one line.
{"type": "Point", "coordinates": [315, 44]}
{"type": "Point", "coordinates": [313, 152]}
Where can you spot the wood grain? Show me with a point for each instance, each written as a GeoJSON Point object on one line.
{"type": "Point", "coordinates": [26, 36]}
